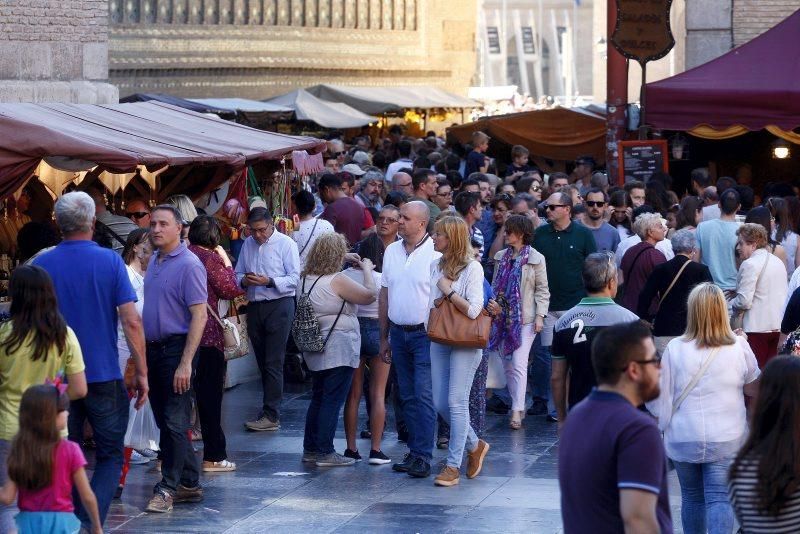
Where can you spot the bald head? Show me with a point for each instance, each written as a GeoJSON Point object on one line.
{"type": "Point", "coordinates": [414, 217]}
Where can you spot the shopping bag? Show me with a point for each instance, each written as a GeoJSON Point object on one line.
{"type": "Point", "coordinates": [143, 432]}
{"type": "Point", "coordinates": [496, 375]}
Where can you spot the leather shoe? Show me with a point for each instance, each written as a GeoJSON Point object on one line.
{"type": "Point", "coordinates": [419, 469]}
{"type": "Point", "coordinates": [403, 466]}
{"type": "Point", "coordinates": [495, 405]}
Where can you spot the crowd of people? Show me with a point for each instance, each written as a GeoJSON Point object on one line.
{"type": "Point", "coordinates": [646, 326]}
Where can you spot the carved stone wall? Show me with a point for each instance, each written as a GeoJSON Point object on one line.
{"type": "Point", "coordinates": [261, 48]}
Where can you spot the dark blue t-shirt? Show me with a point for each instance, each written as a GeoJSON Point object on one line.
{"type": "Point", "coordinates": [475, 160]}
{"type": "Point", "coordinates": [608, 445]}
{"type": "Point", "coordinates": [90, 283]}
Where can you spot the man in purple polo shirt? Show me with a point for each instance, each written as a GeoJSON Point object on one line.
{"type": "Point", "coordinates": [174, 317]}
{"type": "Point", "coordinates": [612, 467]}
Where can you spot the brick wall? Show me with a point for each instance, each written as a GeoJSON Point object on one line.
{"type": "Point", "coordinates": [62, 40]}
{"type": "Point", "coordinates": [751, 18]}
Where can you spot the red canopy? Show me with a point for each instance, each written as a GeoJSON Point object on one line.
{"type": "Point", "coordinates": [118, 137]}
{"type": "Point", "coordinates": [754, 85]}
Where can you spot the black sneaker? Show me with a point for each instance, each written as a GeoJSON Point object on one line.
{"type": "Point", "coordinates": [403, 466]}
{"type": "Point", "coordinates": [442, 443]}
{"type": "Point", "coordinates": [118, 493]}
{"type": "Point", "coordinates": [366, 434]}
{"type": "Point", "coordinates": [419, 468]}
{"type": "Point", "coordinates": [402, 435]}
{"type": "Point", "coordinates": [378, 458]}
{"type": "Point", "coordinates": [552, 418]}
{"type": "Point", "coordinates": [352, 454]}
{"type": "Point", "coordinates": [495, 405]}
{"type": "Point", "coordinates": [538, 408]}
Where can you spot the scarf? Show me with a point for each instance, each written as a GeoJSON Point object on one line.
{"type": "Point", "coordinates": [506, 335]}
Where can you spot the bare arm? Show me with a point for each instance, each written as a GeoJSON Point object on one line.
{"type": "Point", "coordinates": [76, 386]}
{"type": "Point", "coordinates": [354, 292]}
{"type": "Point", "coordinates": [638, 510]}
{"type": "Point", "coordinates": [134, 334]}
{"type": "Point", "coordinates": [183, 373]}
{"type": "Point", "coordinates": [88, 499]}
{"type": "Point", "coordinates": [8, 493]}
{"type": "Point", "coordinates": [383, 322]}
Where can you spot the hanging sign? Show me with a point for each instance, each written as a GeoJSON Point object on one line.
{"type": "Point", "coordinates": [639, 160]}
{"type": "Point", "coordinates": [642, 30]}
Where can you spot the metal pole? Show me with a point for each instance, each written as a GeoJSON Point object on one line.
{"type": "Point", "coordinates": [616, 97]}
{"type": "Point", "coordinates": [642, 106]}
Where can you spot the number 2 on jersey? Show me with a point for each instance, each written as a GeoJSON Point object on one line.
{"type": "Point", "coordinates": [580, 337]}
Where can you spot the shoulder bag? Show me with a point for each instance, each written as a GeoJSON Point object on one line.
{"type": "Point", "coordinates": [737, 318]}
{"type": "Point", "coordinates": [623, 287]}
{"type": "Point", "coordinates": [309, 236]}
{"type": "Point", "coordinates": [448, 326]}
{"type": "Point", "coordinates": [693, 382]}
{"type": "Point", "coordinates": [235, 341]}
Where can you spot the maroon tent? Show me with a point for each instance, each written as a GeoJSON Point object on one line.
{"type": "Point", "coordinates": [118, 137]}
{"type": "Point", "coordinates": [755, 85]}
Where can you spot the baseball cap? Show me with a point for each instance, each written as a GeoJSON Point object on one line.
{"type": "Point", "coordinates": [353, 169]}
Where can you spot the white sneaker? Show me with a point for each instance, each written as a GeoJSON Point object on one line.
{"type": "Point", "coordinates": [138, 459]}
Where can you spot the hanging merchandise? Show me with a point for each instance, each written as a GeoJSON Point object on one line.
{"type": "Point", "coordinates": [279, 200]}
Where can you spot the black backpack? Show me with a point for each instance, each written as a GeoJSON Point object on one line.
{"type": "Point", "coordinates": [305, 326]}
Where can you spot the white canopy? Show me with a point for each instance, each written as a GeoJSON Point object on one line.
{"type": "Point", "coordinates": [377, 100]}
{"type": "Point", "coordinates": [240, 104]}
{"type": "Point", "coordinates": [308, 107]}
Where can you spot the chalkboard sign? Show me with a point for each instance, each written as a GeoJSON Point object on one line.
{"type": "Point", "coordinates": [638, 160]}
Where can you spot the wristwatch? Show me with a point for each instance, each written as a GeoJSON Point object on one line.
{"type": "Point", "coordinates": [452, 292]}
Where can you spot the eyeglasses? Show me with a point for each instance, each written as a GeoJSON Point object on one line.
{"type": "Point", "coordinates": [655, 361]}
{"type": "Point", "coordinates": [259, 230]}
{"type": "Point", "coordinates": [595, 203]}
{"type": "Point", "coordinates": [137, 214]}
{"type": "Point", "coordinates": [388, 220]}
{"type": "Point", "coordinates": [552, 207]}
{"type": "Point", "coordinates": [448, 194]}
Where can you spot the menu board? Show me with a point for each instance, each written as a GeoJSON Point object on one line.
{"type": "Point", "coordinates": [638, 160]}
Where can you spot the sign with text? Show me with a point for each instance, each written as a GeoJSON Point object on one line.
{"type": "Point", "coordinates": [642, 31]}
{"type": "Point", "coordinates": [639, 160]}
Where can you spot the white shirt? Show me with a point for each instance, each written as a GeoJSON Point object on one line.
{"type": "Point", "coordinates": [665, 246]}
{"type": "Point", "coordinates": [277, 258]}
{"type": "Point", "coordinates": [761, 301]}
{"type": "Point", "coordinates": [137, 281]}
{"type": "Point", "coordinates": [369, 311]}
{"type": "Point", "coordinates": [306, 234]}
{"type": "Point", "coordinates": [794, 283]}
{"type": "Point", "coordinates": [711, 423]}
{"type": "Point", "coordinates": [395, 166]}
{"type": "Point", "coordinates": [407, 278]}
{"type": "Point", "coordinates": [469, 285]}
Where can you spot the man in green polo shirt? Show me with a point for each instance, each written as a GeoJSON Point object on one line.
{"type": "Point", "coordinates": [565, 245]}
{"type": "Point", "coordinates": [577, 328]}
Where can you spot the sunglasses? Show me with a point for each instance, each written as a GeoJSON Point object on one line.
{"type": "Point", "coordinates": [552, 207]}
{"type": "Point", "coordinates": [137, 214]}
{"type": "Point", "coordinates": [595, 203]}
{"type": "Point", "coordinates": [337, 154]}
{"type": "Point", "coordinates": [536, 188]}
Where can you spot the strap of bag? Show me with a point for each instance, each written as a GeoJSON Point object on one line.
{"type": "Point", "coordinates": [310, 236]}
{"type": "Point", "coordinates": [310, 289]}
{"type": "Point", "coordinates": [114, 234]}
{"type": "Point", "coordinates": [695, 379]}
{"type": "Point", "coordinates": [633, 264]}
{"type": "Point", "coordinates": [215, 315]}
{"type": "Point", "coordinates": [680, 271]}
{"type": "Point", "coordinates": [334, 323]}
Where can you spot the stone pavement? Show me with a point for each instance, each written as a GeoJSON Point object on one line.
{"type": "Point", "coordinates": [517, 491]}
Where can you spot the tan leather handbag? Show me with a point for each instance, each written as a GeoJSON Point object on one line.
{"type": "Point", "coordinates": [448, 326]}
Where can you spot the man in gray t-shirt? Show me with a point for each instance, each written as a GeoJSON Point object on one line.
{"type": "Point", "coordinates": [574, 332]}
{"type": "Point", "coordinates": [605, 236]}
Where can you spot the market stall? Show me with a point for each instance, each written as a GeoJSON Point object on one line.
{"type": "Point", "coordinates": [308, 107]}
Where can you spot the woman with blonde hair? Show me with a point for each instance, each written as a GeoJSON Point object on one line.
{"type": "Point", "coordinates": [334, 298]}
{"type": "Point", "coordinates": [457, 277]}
{"type": "Point", "coordinates": [704, 375]}
{"type": "Point", "coordinates": [761, 290]}
{"type": "Point", "coordinates": [523, 298]}
{"type": "Point", "coordinates": [187, 210]}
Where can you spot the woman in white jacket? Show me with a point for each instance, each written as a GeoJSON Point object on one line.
{"type": "Point", "coordinates": [760, 293]}
{"type": "Point", "coordinates": [704, 375]}
{"type": "Point", "coordinates": [457, 277]}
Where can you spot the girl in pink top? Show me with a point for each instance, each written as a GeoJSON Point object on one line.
{"type": "Point", "coordinates": [42, 467]}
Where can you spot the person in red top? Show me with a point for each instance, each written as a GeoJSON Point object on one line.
{"type": "Point", "coordinates": [204, 236]}
{"type": "Point", "coordinates": [345, 214]}
{"type": "Point", "coordinates": [42, 467]}
{"type": "Point", "coordinates": [640, 260]}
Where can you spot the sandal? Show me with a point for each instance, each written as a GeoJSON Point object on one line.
{"type": "Point", "coordinates": [516, 421]}
{"type": "Point", "coordinates": [218, 467]}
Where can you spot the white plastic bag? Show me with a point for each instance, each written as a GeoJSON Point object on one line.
{"type": "Point", "coordinates": [143, 432]}
{"type": "Point", "coordinates": [496, 375]}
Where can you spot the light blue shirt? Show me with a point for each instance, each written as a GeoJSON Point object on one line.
{"type": "Point", "coordinates": [716, 240]}
{"type": "Point", "coordinates": [278, 259]}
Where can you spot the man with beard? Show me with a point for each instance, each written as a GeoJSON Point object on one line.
{"type": "Point", "coordinates": [605, 236]}
{"type": "Point", "coordinates": [576, 329]}
{"type": "Point", "coordinates": [612, 467]}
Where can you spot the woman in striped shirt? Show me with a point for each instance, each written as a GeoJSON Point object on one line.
{"type": "Point", "coordinates": [764, 481]}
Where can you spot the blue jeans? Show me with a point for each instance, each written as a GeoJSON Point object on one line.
{"type": "Point", "coordinates": [412, 361]}
{"type": "Point", "coordinates": [173, 412]}
{"type": "Point", "coordinates": [704, 497]}
{"type": "Point", "coordinates": [7, 513]}
{"type": "Point", "coordinates": [539, 374]}
{"type": "Point", "coordinates": [328, 392]}
{"type": "Point", "coordinates": [452, 372]}
{"type": "Point", "coordinates": [106, 408]}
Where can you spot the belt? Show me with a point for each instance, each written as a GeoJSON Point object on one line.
{"type": "Point", "coordinates": [267, 301]}
{"type": "Point", "coordinates": [161, 343]}
{"type": "Point", "coordinates": [409, 327]}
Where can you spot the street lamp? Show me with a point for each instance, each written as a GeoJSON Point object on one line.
{"type": "Point", "coordinates": [780, 149]}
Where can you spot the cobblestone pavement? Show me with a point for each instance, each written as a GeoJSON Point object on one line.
{"type": "Point", "coordinates": [517, 490]}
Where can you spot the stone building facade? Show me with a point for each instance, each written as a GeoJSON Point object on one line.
{"type": "Point", "coordinates": [261, 48]}
{"type": "Point", "coordinates": [54, 51]}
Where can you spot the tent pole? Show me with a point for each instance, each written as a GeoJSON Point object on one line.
{"type": "Point", "coordinates": [616, 97]}
{"type": "Point", "coordinates": [642, 106]}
